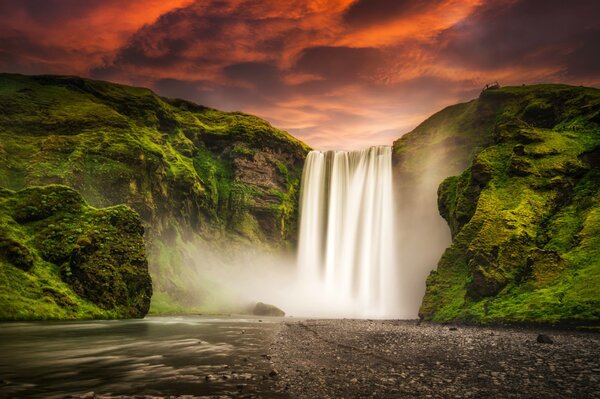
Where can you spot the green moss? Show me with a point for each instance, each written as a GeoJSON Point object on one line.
{"type": "Point", "coordinates": [524, 215]}
{"type": "Point", "coordinates": [181, 166]}
{"type": "Point", "coordinates": [62, 259]}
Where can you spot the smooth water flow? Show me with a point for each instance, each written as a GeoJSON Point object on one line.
{"type": "Point", "coordinates": [346, 246]}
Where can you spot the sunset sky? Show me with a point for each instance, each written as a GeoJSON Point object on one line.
{"type": "Point", "coordinates": [335, 73]}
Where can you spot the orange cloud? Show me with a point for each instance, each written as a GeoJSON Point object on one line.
{"type": "Point", "coordinates": [347, 73]}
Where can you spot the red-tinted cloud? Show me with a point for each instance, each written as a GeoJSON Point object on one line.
{"type": "Point", "coordinates": [344, 73]}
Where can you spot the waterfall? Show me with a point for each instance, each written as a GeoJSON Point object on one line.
{"type": "Point", "coordinates": [346, 243]}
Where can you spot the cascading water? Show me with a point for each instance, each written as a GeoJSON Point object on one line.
{"type": "Point", "coordinates": [346, 246]}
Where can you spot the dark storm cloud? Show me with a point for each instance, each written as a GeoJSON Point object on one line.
{"type": "Point", "coordinates": [176, 88]}
{"type": "Point", "coordinates": [339, 63]}
{"type": "Point", "coordinates": [368, 12]}
{"type": "Point", "coordinates": [202, 34]}
{"type": "Point", "coordinates": [156, 45]}
{"type": "Point", "coordinates": [53, 11]}
{"type": "Point", "coordinates": [584, 61]}
{"type": "Point", "coordinates": [260, 74]}
{"type": "Point", "coordinates": [22, 46]}
{"type": "Point", "coordinates": [522, 33]}
{"type": "Point", "coordinates": [20, 53]}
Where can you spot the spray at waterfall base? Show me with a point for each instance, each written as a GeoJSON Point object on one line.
{"type": "Point", "coordinates": [364, 251]}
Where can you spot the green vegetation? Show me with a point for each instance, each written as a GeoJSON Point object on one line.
{"type": "Point", "coordinates": [62, 259]}
{"type": "Point", "coordinates": [191, 172]}
{"type": "Point", "coordinates": [525, 216]}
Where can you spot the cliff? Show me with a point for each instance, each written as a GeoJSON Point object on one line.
{"type": "Point", "coordinates": [525, 213]}
{"type": "Point", "coordinates": [62, 259]}
{"type": "Point", "coordinates": [191, 172]}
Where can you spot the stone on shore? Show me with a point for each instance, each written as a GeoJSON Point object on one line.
{"type": "Point", "coordinates": [265, 309]}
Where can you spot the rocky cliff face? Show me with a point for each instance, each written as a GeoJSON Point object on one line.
{"type": "Point", "coordinates": [62, 259]}
{"type": "Point", "coordinates": [191, 172]}
{"type": "Point", "coordinates": [525, 214]}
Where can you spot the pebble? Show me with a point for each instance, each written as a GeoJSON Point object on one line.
{"type": "Point", "coordinates": [544, 339]}
{"type": "Point", "coordinates": [398, 359]}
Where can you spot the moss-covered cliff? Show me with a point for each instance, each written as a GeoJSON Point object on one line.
{"type": "Point", "coordinates": [525, 215]}
{"type": "Point", "coordinates": [62, 259]}
{"type": "Point", "coordinates": [190, 172]}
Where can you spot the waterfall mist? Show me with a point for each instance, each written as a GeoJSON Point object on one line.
{"type": "Point", "coordinates": [369, 236]}
{"type": "Point", "coordinates": [422, 234]}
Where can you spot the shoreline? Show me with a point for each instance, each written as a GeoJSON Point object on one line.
{"type": "Point", "coordinates": [398, 359]}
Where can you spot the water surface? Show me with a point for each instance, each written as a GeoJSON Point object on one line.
{"type": "Point", "coordinates": [154, 356]}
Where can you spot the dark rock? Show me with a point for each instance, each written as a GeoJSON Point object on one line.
{"type": "Point", "coordinates": [273, 373]}
{"type": "Point", "coordinates": [481, 171]}
{"type": "Point", "coordinates": [264, 309]}
{"type": "Point", "coordinates": [519, 149]}
{"type": "Point", "coordinates": [16, 253]}
{"type": "Point", "coordinates": [544, 339]}
{"type": "Point", "coordinates": [520, 167]}
{"type": "Point", "coordinates": [527, 136]}
{"type": "Point", "coordinates": [452, 329]}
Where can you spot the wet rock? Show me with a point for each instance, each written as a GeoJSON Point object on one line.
{"type": "Point", "coordinates": [544, 339]}
{"type": "Point", "coordinates": [265, 309]}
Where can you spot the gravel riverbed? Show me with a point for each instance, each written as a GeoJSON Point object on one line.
{"type": "Point", "coordinates": [400, 359]}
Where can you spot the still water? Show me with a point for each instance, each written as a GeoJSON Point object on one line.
{"type": "Point", "coordinates": [155, 356]}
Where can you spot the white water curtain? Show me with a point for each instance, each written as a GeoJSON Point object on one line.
{"type": "Point", "coordinates": [346, 244]}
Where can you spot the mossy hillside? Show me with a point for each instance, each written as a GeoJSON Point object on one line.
{"type": "Point", "coordinates": [524, 215]}
{"type": "Point", "coordinates": [191, 172]}
{"type": "Point", "coordinates": [167, 158]}
{"type": "Point", "coordinates": [452, 137]}
{"type": "Point", "coordinates": [62, 259]}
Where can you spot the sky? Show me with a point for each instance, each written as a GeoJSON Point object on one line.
{"type": "Point", "coordinates": [337, 74]}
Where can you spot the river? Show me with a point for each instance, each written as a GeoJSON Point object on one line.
{"type": "Point", "coordinates": [153, 356]}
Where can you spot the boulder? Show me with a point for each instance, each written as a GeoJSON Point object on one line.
{"type": "Point", "coordinates": [544, 339]}
{"type": "Point", "coordinates": [265, 309]}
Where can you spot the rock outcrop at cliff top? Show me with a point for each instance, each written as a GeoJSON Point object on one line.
{"type": "Point", "coordinates": [62, 259]}
{"type": "Point", "coordinates": [191, 172]}
{"type": "Point", "coordinates": [525, 214]}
